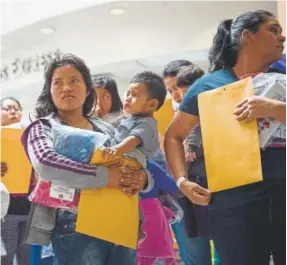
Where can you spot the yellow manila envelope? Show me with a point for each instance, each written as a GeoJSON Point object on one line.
{"type": "Point", "coordinates": [231, 148]}
{"type": "Point", "coordinates": [108, 213]}
{"type": "Point", "coordinates": [164, 116]}
{"type": "Point", "coordinates": [98, 159]}
{"type": "Point", "coordinates": [17, 179]}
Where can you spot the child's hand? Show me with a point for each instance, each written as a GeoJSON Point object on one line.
{"type": "Point", "coordinates": [109, 152]}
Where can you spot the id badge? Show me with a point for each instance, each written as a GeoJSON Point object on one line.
{"type": "Point", "coordinates": [62, 193]}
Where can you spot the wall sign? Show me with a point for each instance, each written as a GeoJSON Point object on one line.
{"type": "Point", "coordinates": [24, 66]}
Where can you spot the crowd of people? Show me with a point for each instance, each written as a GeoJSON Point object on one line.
{"type": "Point", "coordinates": [239, 226]}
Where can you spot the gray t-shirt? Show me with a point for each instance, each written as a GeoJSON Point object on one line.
{"type": "Point", "coordinates": [144, 128]}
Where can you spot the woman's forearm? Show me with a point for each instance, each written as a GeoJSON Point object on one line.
{"type": "Point", "coordinates": [278, 111]}
{"type": "Point", "coordinates": [177, 132]}
{"type": "Point", "coordinates": [174, 151]}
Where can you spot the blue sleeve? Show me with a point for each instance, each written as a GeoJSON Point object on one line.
{"type": "Point", "coordinates": [189, 103]}
{"type": "Point", "coordinates": [162, 181]}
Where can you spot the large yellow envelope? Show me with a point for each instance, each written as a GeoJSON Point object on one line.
{"type": "Point", "coordinates": [107, 213]}
{"type": "Point", "coordinates": [17, 179]}
{"type": "Point", "coordinates": [164, 116]}
{"type": "Point", "coordinates": [231, 148]}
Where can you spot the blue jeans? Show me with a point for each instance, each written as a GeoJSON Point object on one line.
{"type": "Point", "coordinates": [72, 248]}
{"type": "Point", "coordinates": [248, 223]}
{"type": "Point", "coordinates": [193, 251]}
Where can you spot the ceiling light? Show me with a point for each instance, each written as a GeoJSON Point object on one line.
{"type": "Point", "coordinates": [117, 11]}
{"type": "Point", "coordinates": [47, 31]}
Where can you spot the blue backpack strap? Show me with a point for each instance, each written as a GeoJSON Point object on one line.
{"type": "Point", "coordinates": [280, 65]}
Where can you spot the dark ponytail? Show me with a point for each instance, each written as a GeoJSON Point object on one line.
{"type": "Point", "coordinates": [227, 41]}
{"type": "Point", "coordinates": [221, 53]}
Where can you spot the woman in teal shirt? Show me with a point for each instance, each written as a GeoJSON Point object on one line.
{"type": "Point", "coordinates": [248, 223]}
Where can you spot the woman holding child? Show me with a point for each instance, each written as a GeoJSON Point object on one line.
{"type": "Point", "coordinates": [68, 98]}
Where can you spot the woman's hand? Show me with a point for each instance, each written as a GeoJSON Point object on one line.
{"type": "Point", "coordinates": [127, 179]}
{"type": "Point", "coordinates": [114, 177]}
{"type": "Point", "coordinates": [4, 169]}
{"type": "Point", "coordinates": [195, 193]}
{"type": "Point", "coordinates": [190, 157]}
{"type": "Point", "coordinates": [133, 180]}
{"type": "Point", "coordinates": [253, 108]}
{"type": "Point", "coordinates": [260, 107]}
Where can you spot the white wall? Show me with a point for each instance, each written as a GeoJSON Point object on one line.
{"type": "Point", "coordinates": [147, 29]}
{"type": "Point", "coordinates": [122, 44]}
{"type": "Point", "coordinates": [17, 14]}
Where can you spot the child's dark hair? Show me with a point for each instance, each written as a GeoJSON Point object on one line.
{"type": "Point", "coordinates": [187, 75]}
{"type": "Point", "coordinates": [154, 84]}
{"type": "Point", "coordinates": [227, 41]}
{"type": "Point", "coordinates": [45, 104]}
{"type": "Point", "coordinates": [110, 84]}
{"type": "Point", "coordinates": [13, 99]}
{"type": "Point", "coordinates": [172, 68]}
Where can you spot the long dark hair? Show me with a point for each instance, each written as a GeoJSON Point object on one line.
{"type": "Point", "coordinates": [226, 43]}
{"type": "Point", "coordinates": [110, 84]}
{"type": "Point", "coordinates": [45, 104]}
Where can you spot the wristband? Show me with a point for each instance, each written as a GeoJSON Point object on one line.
{"type": "Point", "coordinates": [179, 181]}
